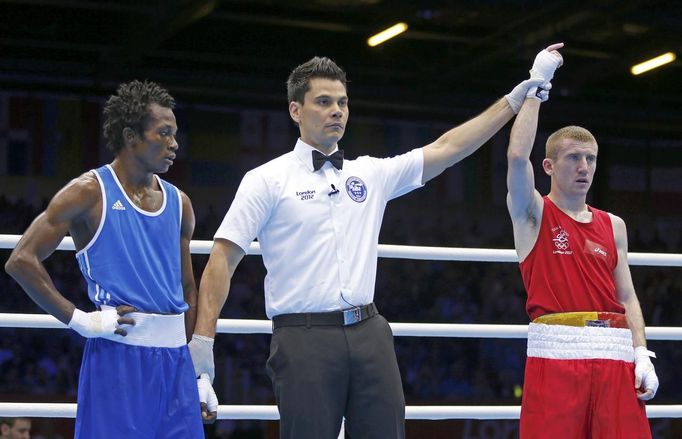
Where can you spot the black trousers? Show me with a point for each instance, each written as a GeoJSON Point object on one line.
{"type": "Point", "coordinates": [322, 373]}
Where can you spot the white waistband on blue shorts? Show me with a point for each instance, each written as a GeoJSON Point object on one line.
{"type": "Point", "coordinates": [153, 330]}
{"type": "Point", "coordinates": [578, 343]}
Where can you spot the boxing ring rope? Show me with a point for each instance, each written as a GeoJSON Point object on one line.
{"type": "Point", "coordinates": [269, 412]}
{"type": "Point", "coordinates": [249, 326]}
{"type": "Point", "coordinates": [244, 326]}
{"type": "Point", "coordinates": [411, 252]}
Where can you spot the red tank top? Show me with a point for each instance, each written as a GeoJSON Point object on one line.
{"type": "Point", "coordinates": [571, 265]}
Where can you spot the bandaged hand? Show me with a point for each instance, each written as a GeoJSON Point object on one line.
{"type": "Point", "coordinates": [541, 92]}
{"type": "Point", "coordinates": [646, 381]}
{"type": "Point", "coordinates": [545, 64]}
{"type": "Point", "coordinates": [201, 349]}
{"type": "Point", "coordinates": [516, 97]}
{"type": "Point", "coordinates": [207, 399]}
{"type": "Point", "coordinates": [107, 323]}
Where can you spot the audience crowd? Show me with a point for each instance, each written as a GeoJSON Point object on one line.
{"type": "Point", "coordinates": [446, 371]}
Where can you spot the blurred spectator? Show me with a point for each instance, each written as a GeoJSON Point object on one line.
{"type": "Point", "coordinates": [434, 370]}
{"type": "Point", "coordinates": [15, 428]}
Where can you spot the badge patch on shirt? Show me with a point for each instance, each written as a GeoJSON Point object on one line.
{"type": "Point", "coordinates": [595, 249]}
{"type": "Point", "coordinates": [356, 189]}
{"type": "Point", "coordinates": [306, 195]}
{"type": "Point", "coordinates": [560, 239]}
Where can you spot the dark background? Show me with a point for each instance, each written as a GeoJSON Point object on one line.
{"type": "Point", "coordinates": [226, 62]}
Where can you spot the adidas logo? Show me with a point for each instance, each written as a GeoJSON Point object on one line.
{"type": "Point", "coordinates": [118, 205]}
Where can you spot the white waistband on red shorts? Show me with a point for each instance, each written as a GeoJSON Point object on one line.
{"type": "Point", "coordinates": [577, 343]}
{"type": "Point", "coordinates": [153, 330]}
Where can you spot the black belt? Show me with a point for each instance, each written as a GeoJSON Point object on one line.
{"type": "Point", "coordinates": [333, 318]}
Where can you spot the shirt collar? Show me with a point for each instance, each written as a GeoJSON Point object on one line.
{"type": "Point", "coordinates": [304, 152]}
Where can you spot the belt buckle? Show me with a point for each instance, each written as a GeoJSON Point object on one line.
{"type": "Point", "coordinates": [598, 323]}
{"type": "Point", "coordinates": [351, 316]}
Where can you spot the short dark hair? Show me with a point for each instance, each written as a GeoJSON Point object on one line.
{"type": "Point", "coordinates": [129, 108]}
{"type": "Point", "coordinates": [298, 82]}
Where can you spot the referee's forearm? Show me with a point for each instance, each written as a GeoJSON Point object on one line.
{"type": "Point", "coordinates": [213, 291]}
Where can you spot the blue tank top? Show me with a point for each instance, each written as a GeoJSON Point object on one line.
{"type": "Point", "coordinates": [134, 257]}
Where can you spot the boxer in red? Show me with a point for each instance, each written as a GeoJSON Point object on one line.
{"type": "Point", "coordinates": [588, 370]}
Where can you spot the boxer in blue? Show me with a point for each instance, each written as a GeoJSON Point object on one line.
{"type": "Point", "coordinates": [132, 232]}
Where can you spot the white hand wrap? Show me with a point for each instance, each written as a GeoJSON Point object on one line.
{"type": "Point", "coordinates": [201, 349]}
{"type": "Point", "coordinates": [544, 66]}
{"type": "Point", "coordinates": [541, 93]}
{"type": "Point", "coordinates": [645, 375]}
{"type": "Point", "coordinates": [95, 324]}
{"type": "Point", "coordinates": [206, 393]}
{"type": "Point", "coordinates": [518, 94]}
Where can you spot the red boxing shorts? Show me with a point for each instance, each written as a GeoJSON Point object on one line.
{"type": "Point", "coordinates": [579, 383]}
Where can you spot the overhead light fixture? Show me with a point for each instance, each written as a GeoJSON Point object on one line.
{"type": "Point", "coordinates": [653, 63]}
{"type": "Point", "coordinates": [386, 34]}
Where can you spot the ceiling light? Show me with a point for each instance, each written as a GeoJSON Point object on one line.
{"type": "Point", "coordinates": [387, 34]}
{"type": "Point", "coordinates": [653, 63]}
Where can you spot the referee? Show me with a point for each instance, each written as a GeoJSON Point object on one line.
{"type": "Point", "coordinates": [317, 218]}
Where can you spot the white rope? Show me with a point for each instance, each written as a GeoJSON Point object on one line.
{"type": "Point", "coordinates": [412, 252]}
{"type": "Point", "coordinates": [44, 321]}
{"type": "Point", "coordinates": [269, 412]}
{"type": "Point", "coordinates": [237, 326]}
{"type": "Point", "coordinates": [248, 326]}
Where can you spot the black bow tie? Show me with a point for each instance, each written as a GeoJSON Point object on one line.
{"type": "Point", "coordinates": [335, 159]}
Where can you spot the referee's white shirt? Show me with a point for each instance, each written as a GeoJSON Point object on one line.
{"type": "Point", "coordinates": [319, 247]}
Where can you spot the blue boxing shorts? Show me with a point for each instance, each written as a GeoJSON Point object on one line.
{"type": "Point", "coordinates": [141, 386]}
